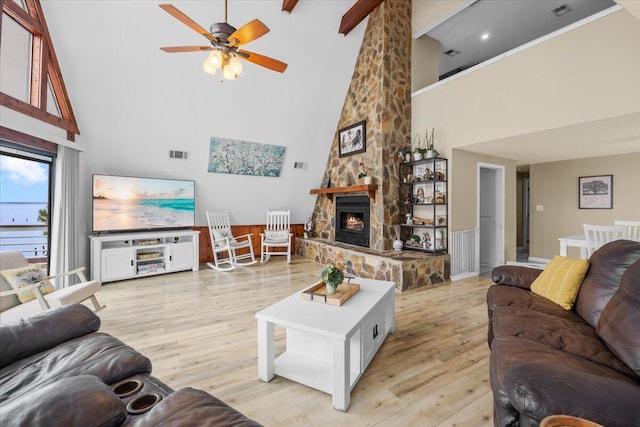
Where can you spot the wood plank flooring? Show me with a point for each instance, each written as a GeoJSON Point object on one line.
{"type": "Point", "coordinates": [199, 330]}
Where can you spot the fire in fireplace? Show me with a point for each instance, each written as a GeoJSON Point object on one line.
{"type": "Point", "coordinates": [352, 220]}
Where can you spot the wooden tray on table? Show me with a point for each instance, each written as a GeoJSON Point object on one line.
{"type": "Point", "coordinates": [318, 293]}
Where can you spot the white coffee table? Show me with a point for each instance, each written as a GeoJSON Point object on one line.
{"type": "Point", "coordinates": [328, 347]}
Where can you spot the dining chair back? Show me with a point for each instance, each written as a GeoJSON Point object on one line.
{"type": "Point", "coordinates": [598, 235]}
{"type": "Point", "coordinates": [632, 229]}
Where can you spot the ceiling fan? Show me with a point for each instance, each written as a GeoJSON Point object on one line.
{"type": "Point", "coordinates": [225, 42]}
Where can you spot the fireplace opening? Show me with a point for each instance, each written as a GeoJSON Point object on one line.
{"type": "Point", "coordinates": [352, 220]}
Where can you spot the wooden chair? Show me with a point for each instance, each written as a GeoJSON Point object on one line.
{"type": "Point", "coordinates": [11, 309]}
{"type": "Point", "coordinates": [598, 235]}
{"type": "Point", "coordinates": [223, 241]}
{"type": "Point", "coordinates": [277, 234]}
{"type": "Point", "coordinates": [632, 227]}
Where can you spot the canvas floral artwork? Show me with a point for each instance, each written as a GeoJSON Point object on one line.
{"type": "Point", "coordinates": [244, 158]}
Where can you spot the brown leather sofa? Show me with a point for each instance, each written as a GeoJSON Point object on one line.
{"type": "Point", "coordinates": [583, 362]}
{"type": "Point", "coordinates": [57, 370]}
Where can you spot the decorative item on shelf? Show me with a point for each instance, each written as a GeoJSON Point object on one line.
{"type": "Point", "coordinates": [438, 176]}
{"type": "Point", "coordinates": [397, 243]}
{"type": "Point", "coordinates": [429, 137]}
{"type": "Point", "coordinates": [308, 228]}
{"type": "Point", "coordinates": [364, 174]}
{"type": "Point", "coordinates": [326, 183]}
{"type": "Point", "coordinates": [409, 220]}
{"type": "Point", "coordinates": [420, 195]}
{"type": "Point", "coordinates": [441, 198]}
{"type": "Point", "coordinates": [405, 155]}
{"type": "Point", "coordinates": [332, 277]}
{"type": "Point", "coordinates": [418, 153]}
{"type": "Point", "coordinates": [414, 240]}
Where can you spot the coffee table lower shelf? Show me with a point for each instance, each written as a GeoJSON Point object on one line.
{"type": "Point", "coordinates": [310, 372]}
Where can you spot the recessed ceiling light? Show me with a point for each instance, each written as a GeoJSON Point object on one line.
{"type": "Point", "coordinates": [561, 10]}
{"type": "Point", "coordinates": [484, 36]}
{"type": "Point", "coordinates": [451, 52]}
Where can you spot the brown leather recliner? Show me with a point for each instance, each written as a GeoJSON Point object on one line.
{"type": "Point", "coordinates": [57, 370]}
{"type": "Point", "coordinates": [583, 362]}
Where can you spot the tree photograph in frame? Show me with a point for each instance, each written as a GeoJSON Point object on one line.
{"type": "Point", "coordinates": [352, 139]}
{"type": "Point", "coordinates": [595, 192]}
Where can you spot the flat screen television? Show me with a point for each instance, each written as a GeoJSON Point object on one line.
{"type": "Point", "coordinates": [129, 203]}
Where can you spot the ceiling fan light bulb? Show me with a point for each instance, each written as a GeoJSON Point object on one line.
{"type": "Point", "coordinates": [236, 65]}
{"type": "Point", "coordinates": [215, 58]}
{"type": "Point", "coordinates": [228, 73]}
{"type": "Point", "coordinates": [209, 68]}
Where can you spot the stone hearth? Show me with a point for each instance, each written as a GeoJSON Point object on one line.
{"type": "Point", "coordinates": [408, 269]}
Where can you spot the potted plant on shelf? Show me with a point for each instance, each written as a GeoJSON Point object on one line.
{"type": "Point", "coordinates": [418, 153]}
{"type": "Point", "coordinates": [405, 155]}
{"type": "Point", "coordinates": [431, 151]}
{"type": "Point", "coordinates": [332, 277]}
{"type": "Point", "coordinates": [364, 175]}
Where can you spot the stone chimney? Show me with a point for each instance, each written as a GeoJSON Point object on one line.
{"type": "Point", "coordinates": [380, 93]}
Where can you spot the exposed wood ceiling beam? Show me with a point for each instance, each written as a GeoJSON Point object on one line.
{"type": "Point", "coordinates": [288, 5]}
{"type": "Point", "coordinates": [360, 10]}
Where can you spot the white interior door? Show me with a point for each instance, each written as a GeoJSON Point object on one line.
{"type": "Point", "coordinates": [491, 188]}
{"type": "Point", "coordinates": [487, 217]}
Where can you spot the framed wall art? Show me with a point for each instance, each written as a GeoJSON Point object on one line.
{"type": "Point", "coordinates": [595, 192]}
{"type": "Point", "coordinates": [352, 139]}
{"type": "Point", "coordinates": [244, 158]}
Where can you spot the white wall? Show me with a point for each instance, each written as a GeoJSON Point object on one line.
{"type": "Point", "coordinates": [134, 102]}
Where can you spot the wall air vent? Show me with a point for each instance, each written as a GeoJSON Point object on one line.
{"type": "Point", "coordinates": [451, 52]}
{"type": "Point", "coordinates": [561, 10]}
{"type": "Point", "coordinates": [181, 155]}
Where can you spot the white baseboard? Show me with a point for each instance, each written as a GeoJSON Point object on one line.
{"type": "Point", "coordinates": [464, 275]}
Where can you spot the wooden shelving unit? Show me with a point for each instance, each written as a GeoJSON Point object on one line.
{"type": "Point", "coordinates": [369, 188]}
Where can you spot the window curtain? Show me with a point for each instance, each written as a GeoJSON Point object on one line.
{"type": "Point", "coordinates": [64, 227]}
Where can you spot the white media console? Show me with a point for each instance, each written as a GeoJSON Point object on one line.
{"type": "Point", "coordinates": [126, 256]}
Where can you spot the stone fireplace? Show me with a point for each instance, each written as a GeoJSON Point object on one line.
{"type": "Point", "coordinates": [352, 221]}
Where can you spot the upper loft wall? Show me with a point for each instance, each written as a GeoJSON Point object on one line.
{"type": "Point", "coordinates": [581, 76]}
{"type": "Point", "coordinates": [426, 14]}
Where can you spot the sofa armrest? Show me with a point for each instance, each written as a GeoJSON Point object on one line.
{"type": "Point", "coordinates": [515, 275]}
{"type": "Point", "coordinates": [537, 391]}
{"type": "Point", "coordinates": [83, 400]}
{"type": "Point", "coordinates": [189, 406]}
{"type": "Point", "coordinates": [45, 330]}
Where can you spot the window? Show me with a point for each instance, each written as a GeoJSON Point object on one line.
{"type": "Point", "coordinates": [30, 77]}
{"type": "Point", "coordinates": [26, 178]}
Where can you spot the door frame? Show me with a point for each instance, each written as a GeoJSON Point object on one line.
{"type": "Point", "coordinates": [499, 209]}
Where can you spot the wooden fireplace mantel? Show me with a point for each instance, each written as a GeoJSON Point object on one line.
{"type": "Point", "coordinates": [369, 188]}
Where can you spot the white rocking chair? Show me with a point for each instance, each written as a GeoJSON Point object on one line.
{"type": "Point", "coordinates": [277, 234]}
{"type": "Point", "coordinates": [223, 241]}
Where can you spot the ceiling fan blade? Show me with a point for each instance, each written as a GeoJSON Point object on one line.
{"type": "Point", "coordinates": [264, 61]}
{"type": "Point", "coordinates": [174, 49]}
{"type": "Point", "coordinates": [187, 21]}
{"type": "Point", "coordinates": [248, 32]}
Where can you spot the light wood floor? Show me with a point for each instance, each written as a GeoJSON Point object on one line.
{"type": "Point", "coordinates": [199, 330]}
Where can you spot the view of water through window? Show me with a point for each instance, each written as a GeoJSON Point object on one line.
{"type": "Point", "coordinates": [24, 195]}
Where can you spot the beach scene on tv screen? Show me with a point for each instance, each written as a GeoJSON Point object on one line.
{"type": "Point", "coordinates": [131, 203]}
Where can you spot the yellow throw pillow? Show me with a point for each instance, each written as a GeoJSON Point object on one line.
{"type": "Point", "coordinates": [561, 280]}
{"type": "Point", "coordinates": [23, 276]}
